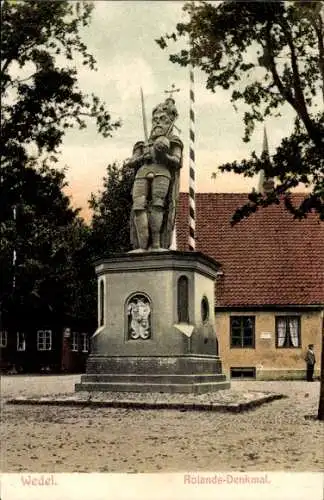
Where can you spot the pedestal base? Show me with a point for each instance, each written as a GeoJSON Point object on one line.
{"type": "Point", "coordinates": [183, 374]}
{"type": "Point", "coordinates": [156, 313]}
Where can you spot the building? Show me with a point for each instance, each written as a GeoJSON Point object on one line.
{"type": "Point", "coordinates": [270, 292]}
{"type": "Point", "coordinates": [41, 344]}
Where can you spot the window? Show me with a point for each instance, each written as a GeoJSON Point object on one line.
{"type": "Point", "coordinates": [3, 338]}
{"type": "Point", "coordinates": [183, 299]}
{"type": "Point", "coordinates": [21, 341]}
{"type": "Point", "coordinates": [85, 342]}
{"type": "Point", "coordinates": [242, 331]}
{"type": "Point", "coordinates": [288, 331]}
{"type": "Point", "coordinates": [44, 340]}
{"type": "Point", "coordinates": [75, 341]}
{"type": "Point", "coordinates": [101, 303]}
{"type": "Point", "coordinates": [243, 372]}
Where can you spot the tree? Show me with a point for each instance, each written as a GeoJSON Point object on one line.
{"type": "Point", "coordinates": [40, 98]}
{"type": "Point", "coordinates": [111, 212]}
{"type": "Point", "coordinates": [277, 50]}
{"type": "Point", "coordinates": [41, 46]}
{"type": "Point", "coordinates": [52, 265]}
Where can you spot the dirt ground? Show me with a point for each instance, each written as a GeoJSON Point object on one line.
{"type": "Point", "coordinates": [273, 437]}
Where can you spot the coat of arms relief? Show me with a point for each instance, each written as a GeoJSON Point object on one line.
{"type": "Point", "coordinates": [139, 317]}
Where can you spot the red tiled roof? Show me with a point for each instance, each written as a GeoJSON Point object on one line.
{"type": "Point", "coordinates": [267, 259]}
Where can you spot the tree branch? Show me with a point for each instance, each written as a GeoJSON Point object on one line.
{"type": "Point", "coordinates": [16, 81]}
{"type": "Point", "coordinates": [320, 35]}
{"type": "Point", "coordinates": [297, 102]}
{"type": "Point", "coordinates": [6, 64]}
{"type": "Point", "coordinates": [272, 66]}
{"type": "Point", "coordinates": [299, 95]}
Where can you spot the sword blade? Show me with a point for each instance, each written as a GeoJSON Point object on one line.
{"type": "Point", "coordinates": [144, 116]}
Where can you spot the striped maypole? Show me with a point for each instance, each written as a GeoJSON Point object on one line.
{"type": "Point", "coordinates": [173, 245]}
{"type": "Point", "coordinates": [192, 173]}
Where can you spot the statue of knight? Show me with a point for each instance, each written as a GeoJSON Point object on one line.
{"type": "Point", "coordinates": [156, 186]}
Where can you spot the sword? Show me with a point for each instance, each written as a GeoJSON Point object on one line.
{"type": "Point", "coordinates": [144, 117]}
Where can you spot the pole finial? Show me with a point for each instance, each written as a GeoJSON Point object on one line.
{"type": "Point", "coordinates": [172, 90]}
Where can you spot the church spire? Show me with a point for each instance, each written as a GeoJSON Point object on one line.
{"type": "Point", "coordinates": [265, 184]}
{"type": "Point", "coordinates": [265, 148]}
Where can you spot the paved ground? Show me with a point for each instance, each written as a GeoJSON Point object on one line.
{"type": "Point", "coordinates": [276, 436]}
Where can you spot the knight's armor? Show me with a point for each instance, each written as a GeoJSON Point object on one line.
{"type": "Point", "coordinates": [156, 183]}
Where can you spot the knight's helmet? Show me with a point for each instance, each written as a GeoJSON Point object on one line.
{"type": "Point", "coordinates": [169, 107]}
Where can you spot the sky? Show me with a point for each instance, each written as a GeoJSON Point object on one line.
{"type": "Point", "coordinates": [122, 39]}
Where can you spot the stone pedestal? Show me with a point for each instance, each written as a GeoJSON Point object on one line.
{"type": "Point", "coordinates": [156, 325]}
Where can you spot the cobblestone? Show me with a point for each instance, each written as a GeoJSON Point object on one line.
{"type": "Point", "coordinates": [281, 435]}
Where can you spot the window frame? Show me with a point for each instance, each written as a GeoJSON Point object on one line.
{"type": "Point", "coordinates": [21, 348]}
{"type": "Point", "coordinates": [3, 339]}
{"type": "Point", "coordinates": [242, 318]}
{"type": "Point", "coordinates": [85, 342]}
{"type": "Point", "coordinates": [287, 318]}
{"type": "Point", "coordinates": [242, 369]}
{"type": "Point", "coordinates": [75, 341]}
{"type": "Point", "coordinates": [41, 343]}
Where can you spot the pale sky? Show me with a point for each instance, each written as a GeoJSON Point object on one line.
{"type": "Point", "coordinates": [121, 37]}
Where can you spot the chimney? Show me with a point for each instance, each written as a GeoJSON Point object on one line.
{"type": "Point", "coordinates": [266, 184]}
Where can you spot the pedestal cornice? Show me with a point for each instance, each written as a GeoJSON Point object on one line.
{"type": "Point", "coordinates": [158, 261]}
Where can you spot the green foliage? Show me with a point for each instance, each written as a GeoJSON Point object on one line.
{"type": "Point", "coordinates": [267, 54]}
{"type": "Point", "coordinates": [40, 98]}
{"type": "Point", "coordinates": [53, 262]}
{"type": "Point", "coordinates": [41, 46]}
{"type": "Point", "coordinates": [111, 212]}
{"type": "Point", "coordinates": [288, 167]}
